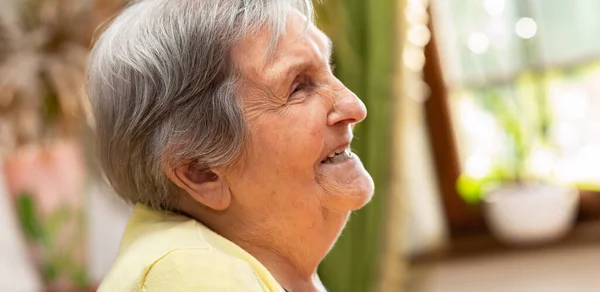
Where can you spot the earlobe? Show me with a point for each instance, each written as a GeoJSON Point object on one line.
{"type": "Point", "coordinates": [203, 185]}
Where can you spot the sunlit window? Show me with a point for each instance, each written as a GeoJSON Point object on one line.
{"type": "Point", "coordinates": [524, 87]}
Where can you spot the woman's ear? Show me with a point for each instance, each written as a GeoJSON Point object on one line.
{"type": "Point", "coordinates": [202, 184]}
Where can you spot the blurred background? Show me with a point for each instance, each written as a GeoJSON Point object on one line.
{"type": "Point", "coordinates": [483, 139]}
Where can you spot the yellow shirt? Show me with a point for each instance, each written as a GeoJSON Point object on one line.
{"type": "Point", "coordinates": [171, 253]}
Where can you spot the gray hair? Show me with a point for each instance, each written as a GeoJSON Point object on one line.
{"type": "Point", "coordinates": [162, 89]}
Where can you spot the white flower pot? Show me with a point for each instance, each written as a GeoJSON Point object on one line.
{"type": "Point", "coordinates": [530, 213]}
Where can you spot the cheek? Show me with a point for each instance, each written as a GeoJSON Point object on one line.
{"type": "Point", "coordinates": [293, 139]}
{"type": "Point", "coordinates": [308, 135]}
{"type": "Point", "coordinates": [284, 148]}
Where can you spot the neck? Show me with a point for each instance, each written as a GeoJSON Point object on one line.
{"type": "Point", "coordinates": [293, 265]}
{"type": "Point", "coordinates": [293, 277]}
{"type": "Point", "coordinates": [292, 258]}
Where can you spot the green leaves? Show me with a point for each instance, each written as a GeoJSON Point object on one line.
{"type": "Point", "coordinates": [45, 233]}
{"type": "Point", "coordinates": [28, 217]}
{"type": "Point", "coordinates": [472, 189]}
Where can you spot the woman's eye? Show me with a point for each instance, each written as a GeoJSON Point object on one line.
{"type": "Point", "coordinates": [296, 87]}
{"type": "Point", "coordinates": [300, 84]}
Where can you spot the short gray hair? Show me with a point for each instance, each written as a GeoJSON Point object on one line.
{"type": "Point", "coordinates": [162, 89]}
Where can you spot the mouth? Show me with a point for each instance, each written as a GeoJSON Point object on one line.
{"type": "Point", "coordinates": [338, 155]}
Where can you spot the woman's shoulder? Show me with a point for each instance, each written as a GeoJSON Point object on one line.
{"type": "Point", "coordinates": [185, 269]}
{"type": "Point", "coordinates": [200, 270]}
{"type": "Point", "coordinates": [166, 252]}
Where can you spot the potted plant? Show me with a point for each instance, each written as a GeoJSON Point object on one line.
{"type": "Point", "coordinates": [522, 200]}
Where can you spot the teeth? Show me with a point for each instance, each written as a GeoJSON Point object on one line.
{"type": "Point", "coordinates": [341, 157]}
{"type": "Point", "coordinates": [337, 152]}
{"type": "Point", "coordinates": [338, 155]}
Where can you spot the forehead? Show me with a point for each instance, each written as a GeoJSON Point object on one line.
{"type": "Point", "coordinates": [298, 44]}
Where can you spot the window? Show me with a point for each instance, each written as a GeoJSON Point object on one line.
{"type": "Point", "coordinates": [523, 79]}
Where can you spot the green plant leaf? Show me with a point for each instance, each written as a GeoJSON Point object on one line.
{"type": "Point", "coordinates": [28, 217]}
{"type": "Point", "coordinates": [56, 220]}
{"type": "Point", "coordinates": [80, 278]}
{"type": "Point", "coordinates": [50, 271]}
{"type": "Point", "coordinates": [470, 189]}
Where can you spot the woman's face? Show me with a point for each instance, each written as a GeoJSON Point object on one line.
{"type": "Point", "coordinates": [300, 115]}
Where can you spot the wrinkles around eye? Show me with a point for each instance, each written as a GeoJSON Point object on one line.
{"type": "Point", "coordinates": [297, 86]}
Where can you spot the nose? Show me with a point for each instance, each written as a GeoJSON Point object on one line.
{"type": "Point", "coordinates": [347, 109]}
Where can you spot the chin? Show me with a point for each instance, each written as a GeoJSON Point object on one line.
{"type": "Point", "coordinates": [348, 196]}
{"type": "Point", "coordinates": [347, 185]}
{"type": "Point", "coordinates": [364, 193]}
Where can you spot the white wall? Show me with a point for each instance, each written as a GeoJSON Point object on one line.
{"type": "Point", "coordinates": [107, 217]}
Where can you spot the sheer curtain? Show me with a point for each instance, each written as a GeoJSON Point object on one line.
{"type": "Point", "coordinates": [424, 224]}
{"type": "Point", "coordinates": [414, 221]}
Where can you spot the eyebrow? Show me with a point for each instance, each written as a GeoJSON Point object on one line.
{"type": "Point", "coordinates": [297, 68]}
{"type": "Point", "coordinates": [300, 65]}
{"type": "Point", "coordinates": [303, 64]}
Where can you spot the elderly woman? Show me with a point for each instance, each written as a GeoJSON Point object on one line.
{"type": "Point", "coordinates": [221, 120]}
